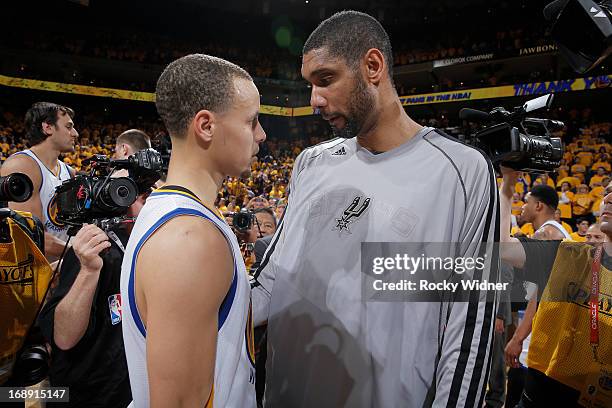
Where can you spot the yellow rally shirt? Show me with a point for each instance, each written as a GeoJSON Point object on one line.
{"type": "Point", "coordinates": [24, 277]}
{"type": "Point", "coordinates": [560, 343]}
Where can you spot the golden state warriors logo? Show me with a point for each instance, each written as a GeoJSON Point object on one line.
{"type": "Point", "coordinates": [52, 214]}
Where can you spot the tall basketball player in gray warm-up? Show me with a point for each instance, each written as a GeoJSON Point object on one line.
{"type": "Point", "coordinates": [399, 182]}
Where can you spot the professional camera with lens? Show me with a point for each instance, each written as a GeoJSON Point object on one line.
{"type": "Point", "coordinates": [242, 221]}
{"type": "Point", "coordinates": [517, 141]}
{"type": "Point", "coordinates": [15, 187]}
{"type": "Point", "coordinates": [97, 196]}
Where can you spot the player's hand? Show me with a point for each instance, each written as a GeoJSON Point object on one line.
{"type": "Point", "coordinates": [512, 352]}
{"type": "Point", "coordinates": [88, 243]}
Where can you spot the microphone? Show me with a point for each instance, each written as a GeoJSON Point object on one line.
{"type": "Point", "coordinates": [553, 9]}
{"type": "Point", "coordinates": [474, 115]}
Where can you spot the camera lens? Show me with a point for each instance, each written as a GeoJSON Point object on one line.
{"type": "Point", "coordinates": [119, 192]}
{"type": "Point", "coordinates": [123, 191]}
{"type": "Point", "coordinates": [15, 187]}
{"type": "Point", "coordinates": [242, 220]}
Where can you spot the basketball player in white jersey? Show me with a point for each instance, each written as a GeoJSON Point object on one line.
{"type": "Point", "coordinates": [539, 209]}
{"type": "Point", "coordinates": [186, 320]}
{"type": "Point", "coordinates": [51, 132]}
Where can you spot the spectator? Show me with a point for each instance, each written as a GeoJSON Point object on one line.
{"type": "Point", "coordinates": [598, 178]}
{"type": "Point", "coordinates": [594, 235]}
{"type": "Point", "coordinates": [266, 221]}
{"type": "Point", "coordinates": [582, 225]}
{"type": "Point", "coordinates": [565, 225]}
{"type": "Point", "coordinates": [582, 202]}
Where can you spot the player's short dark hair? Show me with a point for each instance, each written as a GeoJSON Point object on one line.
{"type": "Point", "coordinates": [546, 194]}
{"type": "Point", "coordinates": [136, 138]}
{"type": "Point", "coordinates": [40, 112]}
{"type": "Point", "coordinates": [193, 83]}
{"type": "Point", "coordinates": [350, 34]}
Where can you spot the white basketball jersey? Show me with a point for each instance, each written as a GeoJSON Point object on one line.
{"type": "Point", "coordinates": [47, 195]}
{"type": "Point", "coordinates": [558, 226]}
{"type": "Point", "coordinates": [234, 379]}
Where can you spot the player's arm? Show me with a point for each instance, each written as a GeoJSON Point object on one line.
{"type": "Point", "coordinates": [72, 314]}
{"type": "Point", "coordinates": [511, 250]}
{"type": "Point", "coordinates": [468, 331]}
{"type": "Point", "coordinates": [184, 272]}
{"type": "Point", "coordinates": [515, 345]}
{"type": "Point", "coordinates": [23, 164]}
{"type": "Point", "coordinates": [273, 259]}
{"type": "Point", "coordinates": [263, 279]}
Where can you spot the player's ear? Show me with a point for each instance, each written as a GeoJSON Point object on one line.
{"type": "Point", "coordinates": [374, 65]}
{"type": "Point", "coordinates": [47, 128]}
{"type": "Point", "coordinates": [204, 125]}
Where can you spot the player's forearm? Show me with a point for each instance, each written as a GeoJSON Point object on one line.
{"type": "Point", "coordinates": [454, 378]}
{"type": "Point", "coordinates": [261, 303]}
{"type": "Point", "coordinates": [72, 313]}
{"type": "Point", "coordinates": [524, 329]}
{"type": "Point", "coordinates": [511, 250]}
{"type": "Point", "coordinates": [505, 207]}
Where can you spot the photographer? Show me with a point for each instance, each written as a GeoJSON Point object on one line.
{"type": "Point", "coordinates": [82, 319]}
{"type": "Point", "coordinates": [566, 364]}
{"type": "Point", "coordinates": [254, 230]}
{"type": "Point", "coordinates": [267, 224]}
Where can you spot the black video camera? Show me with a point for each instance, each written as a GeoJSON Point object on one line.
{"type": "Point", "coordinates": [517, 141]}
{"type": "Point", "coordinates": [97, 196]}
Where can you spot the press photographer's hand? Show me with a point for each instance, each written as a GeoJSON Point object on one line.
{"type": "Point", "coordinates": [249, 235]}
{"type": "Point", "coordinates": [88, 243]}
{"type": "Point", "coordinates": [510, 177]}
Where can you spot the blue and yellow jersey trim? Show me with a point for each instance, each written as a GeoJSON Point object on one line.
{"type": "Point", "coordinates": [228, 301]}
{"type": "Point", "coordinates": [211, 397]}
{"type": "Point", "coordinates": [170, 191]}
{"type": "Point", "coordinates": [249, 334]}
